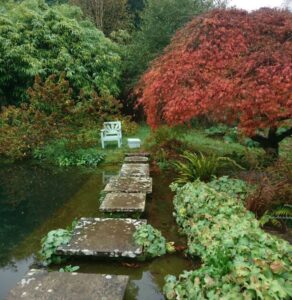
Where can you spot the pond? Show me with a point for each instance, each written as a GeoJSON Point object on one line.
{"type": "Point", "coordinates": [35, 199]}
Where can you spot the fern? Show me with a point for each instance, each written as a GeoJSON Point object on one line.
{"type": "Point", "coordinates": [199, 166]}
{"type": "Point", "coordinates": [283, 212]}
{"type": "Point", "coordinates": [277, 216]}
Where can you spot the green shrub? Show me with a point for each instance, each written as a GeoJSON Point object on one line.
{"type": "Point", "coordinates": [51, 242]}
{"type": "Point", "coordinates": [159, 21]}
{"type": "Point", "coordinates": [37, 39]}
{"type": "Point", "coordinates": [198, 166]}
{"type": "Point", "coordinates": [60, 153]}
{"type": "Point", "coordinates": [240, 261]}
{"type": "Point", "coordinates": [151, 239]}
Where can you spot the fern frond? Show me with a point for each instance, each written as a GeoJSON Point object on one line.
{"type": "Point", "coordinates": [276, 223]}
{"type": "Point", "coordinates": [285, 211]}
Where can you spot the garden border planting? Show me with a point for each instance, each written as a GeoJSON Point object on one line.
{"type": "Point", "coordinates": [240, 260]}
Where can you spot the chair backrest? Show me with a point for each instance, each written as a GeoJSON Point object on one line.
{"type": "Point", "coordinates": [112, 127]}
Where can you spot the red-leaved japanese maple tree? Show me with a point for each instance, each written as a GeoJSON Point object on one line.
{"type": "Point", "coordinates": [234, 67]}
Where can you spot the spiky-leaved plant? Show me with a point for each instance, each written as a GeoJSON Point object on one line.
{"type": "Point", "coordinates": [198, 166]}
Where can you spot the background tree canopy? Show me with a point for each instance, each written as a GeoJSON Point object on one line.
{"type": "Point", "coordinates": [159, 20]}
{"type": "Point", "coordinates": [37, 39]}
{"type": "Point", "coordinates": [107, 15]}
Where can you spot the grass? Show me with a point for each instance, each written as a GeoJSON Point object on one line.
{"type": "Point", "coordinates": [113, 154]}
{"type": "Point", "coordinates": [89, 139]}
{"type": "Point", "coordinates": [205, 144]}
{"type": "Point", "coordinates": [83, 147]}
{"type": "Point", "coordinates": [286, 149]}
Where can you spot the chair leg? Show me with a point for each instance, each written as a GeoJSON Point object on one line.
{"type": "Point", "coordinates": [119, 143]}
{"type": "Point", "coordinates": [102, 144]}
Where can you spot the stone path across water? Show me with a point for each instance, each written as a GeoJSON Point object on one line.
{"type": "Point", "coordinates": [124, 202]}
{"type": "Point", "coordinates": [43, 285]}
{"type": "Point", "coordinates": [143, 154]}
{"type": "Point", "coordinates": [104, 237]}
{"type": "Point", "coordinates": [129, 185]}
{"type": "Point", "coordinates": [136, 159]}
{"type": "Point", "coordinates": [134, 170]}
{"type": "Point", "coordinates": [98, 237]}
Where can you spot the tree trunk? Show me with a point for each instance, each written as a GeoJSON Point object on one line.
{"type": "Point", "coordinates": [271, 143]}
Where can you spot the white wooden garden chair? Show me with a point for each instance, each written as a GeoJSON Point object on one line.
{"type": "Point", "coordinates": [112, 131]}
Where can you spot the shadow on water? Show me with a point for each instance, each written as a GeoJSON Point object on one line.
{"type": "Point", "coordinates": [35, 199]}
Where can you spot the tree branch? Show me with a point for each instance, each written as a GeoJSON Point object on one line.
{"type": "Point", "coordinates": [266, 141]}
{"type": "Point", "coordinates": [262, 140]}
{"type": "Point", "coordinates": [285, 134]}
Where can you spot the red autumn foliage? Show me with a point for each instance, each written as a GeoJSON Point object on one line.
{"type": "Point", "coordinates": [233, 66]}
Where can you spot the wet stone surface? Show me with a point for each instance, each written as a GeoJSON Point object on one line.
{"type": "Point", "coordinates": [129, 185]}
{"type": "Point", "coordinates": [124, 202]}
{"type": "Point", "coordinates": [138, 154]}
{"type": "Point", "coordinates": [136, 159]}
{"type": "Point", "coordinates": [43, 285]}
{"type": "Point", "coordinates": [103, 238]}
{"type": "Point", "coordinates": [135, 170]}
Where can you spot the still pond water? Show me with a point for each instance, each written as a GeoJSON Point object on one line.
{"type": "Point", "coordinates": [35, 199]}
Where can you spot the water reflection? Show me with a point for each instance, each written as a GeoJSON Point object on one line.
{"type": "Point", "coordinates": [12, 273]}
{"type": "Point", "coordinates": [29, 194]}
{"type": "Point", "coordinates": [107, 175]}
{"type": "Point", "coordinates": [145, 288]}
{"type": "Point", "coordinates": [36, 199]}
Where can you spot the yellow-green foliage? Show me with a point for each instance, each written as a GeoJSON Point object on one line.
{"type": "Point", "coordinates": [37, 39]}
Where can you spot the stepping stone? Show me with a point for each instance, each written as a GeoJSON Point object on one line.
{"type": "Point", "coordinates": [138, 154]}
{"type": "Point", "coordinates": [103, 238]}
{"type": "Point", "coordinates": [43, 285]}
{"type": "Point", "coordinates": [129, 185]}
{"type": "Point", "coordinates": [135, 170]}
{"type": "Point", "coordinates": [136, 159]}
{"type": "Point", "coordinates": [124, 202]}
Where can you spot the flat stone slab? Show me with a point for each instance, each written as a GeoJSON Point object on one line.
{"type": "Point", "coordinates": [138, 154]}
{"type": "Point", "coordinates": [129, 185]}
{"type": "Point", "coordinates": [124, 202]}
{"type": "Point", "coordinates": [103, 237]}
{"type": "Point", "coordinates": [43, 285]}
{"type": "Point", "coordinates": [136, 159]}
{"type": "Point", "coordinates": [135, 170]}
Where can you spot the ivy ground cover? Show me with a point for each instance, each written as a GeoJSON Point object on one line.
{"type": "Point", "coordinates": [240, 261]}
